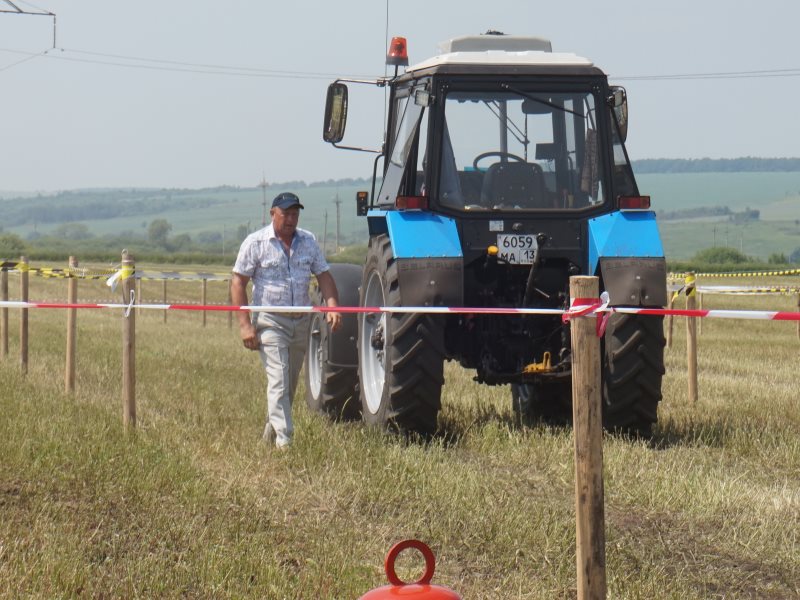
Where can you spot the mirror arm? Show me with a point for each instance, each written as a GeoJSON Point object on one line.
{"type": "Point", "coordinates": [356, 148]}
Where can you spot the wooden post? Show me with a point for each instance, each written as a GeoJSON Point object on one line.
{"type": "Point", "coordinates": [670, 319]}
{"type": "Point", "coordinates": [691, 337]}
{"type": "Point", "coordinates": [588, 433]}
{"type": "Point", "coordinates": [72, 314]}
{"type": "Point", "coordinates": [128, 345]}
{"type": "Point", "coordinates": [230, 312]}
{"type": "Point", "coordinates": [23, 314]}
{"type": "Point", "coordinates": [164, 282]}
{"type": "Point", "coordinates": [3, 315]}
{"type": "Point", "coordinates": [203, 299]}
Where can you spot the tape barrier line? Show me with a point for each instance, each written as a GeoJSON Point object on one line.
{"type": "Point", "coordinates": [744, 290]}
{"type": "Point", "coordinates": [747, 290]}
{"type": "Point", "coordinates": [596, 307]}
{"type": "Point", "coordinates": [88, 273]}
{"type": "Point", "coordinates": [739, 274]}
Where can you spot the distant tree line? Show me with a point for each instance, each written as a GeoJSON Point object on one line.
{"type": "Point", "coordinates": [699, 212]}
{"type": "Point", "coordinates": [66, 208]}
{"type": "Point", "coordinates": [747, 164]}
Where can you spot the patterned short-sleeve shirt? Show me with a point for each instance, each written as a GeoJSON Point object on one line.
{"type": "Point", "coordinates": [280, 279]}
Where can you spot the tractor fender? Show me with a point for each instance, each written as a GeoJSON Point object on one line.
{"type": "Point", "coordinates": [427, 251]}
{"type": "Point", "coordinates": [339, 348]}
{"type": "Point", "coordinates": [625, 250]}
{"type": "Point", "coordinates": [635, 281]}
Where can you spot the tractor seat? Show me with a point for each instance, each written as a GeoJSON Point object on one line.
{"type": "Point", "coordinates": [516, 184]}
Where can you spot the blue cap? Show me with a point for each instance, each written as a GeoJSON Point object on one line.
{"type": "Point", "coordinates": [286, 200]}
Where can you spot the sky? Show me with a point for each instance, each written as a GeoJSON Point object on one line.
{"type": "Point", "coordinates": [117, 104]}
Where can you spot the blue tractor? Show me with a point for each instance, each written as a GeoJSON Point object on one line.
{"type": "Point", "coordinates": [504, 172]}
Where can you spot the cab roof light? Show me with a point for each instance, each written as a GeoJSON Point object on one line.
{"type": "Point", "coordinates": [634, 202]}
{"type": "Point", "coordinates": [398, 52]}
{"type": "Point", "coordinates": [411, 202]}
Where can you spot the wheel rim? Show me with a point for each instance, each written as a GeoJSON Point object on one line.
{"type": "Point", "coordinates": [373, 345]}
{"type": "Point", "coordinates": [315, 357]}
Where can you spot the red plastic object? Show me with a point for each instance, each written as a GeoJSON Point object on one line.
{"type": "Point", "coordinates": [421, 588]}
{"type": "Point", "coordinates": [398, 52]}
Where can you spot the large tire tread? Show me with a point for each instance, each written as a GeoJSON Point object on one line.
{"type": "Point", "coordinates": [414, 353]}
{"type": "Point", "coordinates": [633, 366]}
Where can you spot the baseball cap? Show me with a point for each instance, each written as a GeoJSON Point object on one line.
{"type": "Point", "coordinates": [286, 200]}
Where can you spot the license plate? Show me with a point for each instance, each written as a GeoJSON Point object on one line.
{"type": "Point", "coordinates": [516, 249]}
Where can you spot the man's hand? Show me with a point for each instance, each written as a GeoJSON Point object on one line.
{"type": "Point", "coordinates": [334, 320]}
{"type": "Point", "coordinates": [249, 337]}
{"type": "Point", "coordinates": [328, 288]}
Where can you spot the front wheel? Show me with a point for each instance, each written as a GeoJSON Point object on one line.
{"type": "Point", "coordinates": [400, 356]}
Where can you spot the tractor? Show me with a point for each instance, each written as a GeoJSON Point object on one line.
{"type": "Point", "coordinates": [503, 173]}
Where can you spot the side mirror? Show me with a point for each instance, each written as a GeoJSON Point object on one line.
{"type": "Point", "coordinates": [335, 113]}
{"type": "Point", "coordinates": [619, 103]}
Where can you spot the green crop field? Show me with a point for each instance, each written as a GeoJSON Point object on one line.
{"type": "Point", "coordinates": [193, 505]}
{"type": "Point", "coordinates": [222, 211]}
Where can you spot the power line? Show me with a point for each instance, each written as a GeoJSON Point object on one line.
{"type": "Point", "coordinates": [758, 74]}
{"type": "Point", "coordinates": [24, 60]}
{"type": "Point", "coordinates": [157, 64]}
{"type": "Point", "coordinates": [192, 67]}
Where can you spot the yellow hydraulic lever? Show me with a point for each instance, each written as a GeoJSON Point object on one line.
{"type": "Point", "coordinates": [542, 367]}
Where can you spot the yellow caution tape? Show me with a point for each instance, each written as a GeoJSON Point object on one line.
{"type": "Point", "coordinates": [690, 284]}
{"type": "Point", "coordinates": [740, 274]}
{"type": "Point", "coordinates": [85, 273]}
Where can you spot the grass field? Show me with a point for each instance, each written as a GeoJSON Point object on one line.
{"type": "Point", "coordinates": [193, 505]}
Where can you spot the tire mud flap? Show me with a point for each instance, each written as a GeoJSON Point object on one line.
{"type": "Point", "coordinates": [340, 347]}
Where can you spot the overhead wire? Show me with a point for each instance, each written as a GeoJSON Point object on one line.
{"type": "Point", "coordinates": [177, 66]}
{"type": "Point", "coordinates": [757, 74]}
{"type": "Point", "coordinates": [159, 64]}
{"type": "Point", "coordinates": [24, 60]}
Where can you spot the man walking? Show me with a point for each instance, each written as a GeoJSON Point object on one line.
{"type": "Point", "coordinates": [280, 259]}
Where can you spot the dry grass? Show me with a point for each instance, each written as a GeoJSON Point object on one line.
{"type": "Point", "coordinates": [193, 505]}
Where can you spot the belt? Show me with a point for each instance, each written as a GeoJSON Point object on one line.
{"type": "Point", "coordinates": [293, 315]}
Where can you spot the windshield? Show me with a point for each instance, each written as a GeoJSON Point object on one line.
{"type": "Point", "coordinates": [520, 150]}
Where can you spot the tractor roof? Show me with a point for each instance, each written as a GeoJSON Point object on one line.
{"type": "Point", "coordinates": [497, 49]}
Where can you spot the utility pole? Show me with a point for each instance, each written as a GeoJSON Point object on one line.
{"type": "Point", "coordinates": [338, 203]}
{"type": "Point", "coordinates": [263, 186]}
{"type": "Point", "coordinates": [325, 234]}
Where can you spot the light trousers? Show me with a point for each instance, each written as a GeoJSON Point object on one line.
{"type": "Point", "coordinates": [283, 345]}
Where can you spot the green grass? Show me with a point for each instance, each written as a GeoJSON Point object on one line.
{"type": "Point", "coordinates": [192, 505]}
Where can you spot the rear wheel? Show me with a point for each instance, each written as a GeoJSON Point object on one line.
{"type": "Point", "coordinates": [331, 376]}
{"type": "Point", "coordinates": [400, 356]}
{"type": "Point", "coordinates": [633, 365]}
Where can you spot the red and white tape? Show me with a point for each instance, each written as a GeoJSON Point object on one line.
{"type": "Point", "coordinates": [579, 308]}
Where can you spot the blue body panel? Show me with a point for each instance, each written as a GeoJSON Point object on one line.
{"type": "Point", "coordinates": [417, 234]}
{"type": "Point", "coordinates": [623, 234]}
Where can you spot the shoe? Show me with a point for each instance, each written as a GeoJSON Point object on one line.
{"type": "Point", "coordinates": [269, 435]}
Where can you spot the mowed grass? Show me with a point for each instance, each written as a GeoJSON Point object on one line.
{"type": "Point", "coordinates": [193, 505]}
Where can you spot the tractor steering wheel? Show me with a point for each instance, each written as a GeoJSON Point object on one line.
{"type": "Point", "coordinates": [499, 153]}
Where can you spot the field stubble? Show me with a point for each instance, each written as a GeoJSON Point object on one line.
{"type": "Point", "coordinates": [192, 504]}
